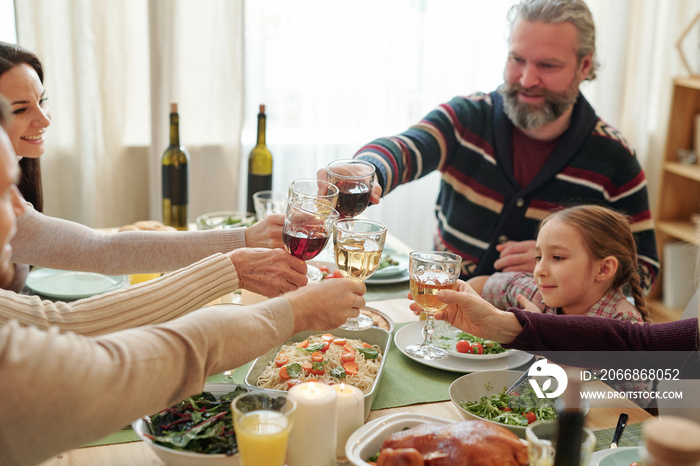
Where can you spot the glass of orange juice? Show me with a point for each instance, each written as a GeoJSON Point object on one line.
{"type": "Point", "coordinates": [142, 277]}
{"type": "Point", "coordinates": [262, 422]}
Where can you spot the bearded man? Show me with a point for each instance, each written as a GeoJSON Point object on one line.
{"type": "Point", "coordinates": [511, 157]}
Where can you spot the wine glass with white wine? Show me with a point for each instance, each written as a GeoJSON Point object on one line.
{"type": "Point", "coordinates": [430, 272]}
{"type": "Point", "coordinates": [358, 246]}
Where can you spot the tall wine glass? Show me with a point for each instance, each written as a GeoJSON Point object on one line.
{"type": "Point", "coordinates": [308, 224]}
{"type": "Point", "coordinates": [430, 272]}
{"type": "Point", "coordinates": [358, 245]}
{"type": "Point", "coordinates": [314, 189]}
{"type": "Point", "coordinates": [354, 179]}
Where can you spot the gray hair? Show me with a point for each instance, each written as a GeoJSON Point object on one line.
{"type": "Point", "coordinates": [575, 12]}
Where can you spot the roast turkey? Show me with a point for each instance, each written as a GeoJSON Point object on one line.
{"type": "Point", "coordinates": [466, 443]}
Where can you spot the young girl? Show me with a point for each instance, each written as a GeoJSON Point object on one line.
{"type": "Point", "coordinates": [586, 259]}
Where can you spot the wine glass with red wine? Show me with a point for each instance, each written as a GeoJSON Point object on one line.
{"type": "Point", "coordinates": [308, 223]}
{"type": "Point", "coordinates": [354, 179]}
{"type": "Point", "coordinates": [430, 272]}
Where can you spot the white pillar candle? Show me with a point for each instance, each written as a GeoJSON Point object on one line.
{"type": "Point", "coordinates": [314, 434]}
{"type": "Point", "coordinates": [351, 414]}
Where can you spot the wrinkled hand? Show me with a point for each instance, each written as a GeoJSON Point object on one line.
{"type": "Point", "coordinates": [326, 305]}
{"type": "Point", "coordinates": [469, 312]}
{"type": "Point", "coordinates": [516, 256]}
{"type": "Point", "coordinates": [269, 272]}
{"type": "Point", "coordinates": [374, 196]}
{"type": "Point", "coordinates": [266, 233]}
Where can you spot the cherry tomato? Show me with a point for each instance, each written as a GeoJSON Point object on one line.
{"type": "Point", "coordinates": [324, 269]}
{"type": "Point", "coordinates": [317, 356]}
{"type": "Point", "coordinates": [307, 367]}
{"type": "Point", "coordinates": [327, 337]}
{"type": "Point", "coordinates": [463, 346]}
{"type": "Point", "coordinates": [530, 417]}
{"type": "Point", "coordinates": [336, 274]}
{"type": "Point", "coordinates": [284, 375]}
{"type": "Point", "coordinates": [366, 345]}
{"type": "Point", "coordinates": [326, 345]}
{"type": "Point", "coordinates": [293, 382]}
{"type": "Point", "coordinates": [477, 348]}
{"type": "Point", "coordinates": [507, 409]}
{"type": "Point", "coordinates": [318, 371]}
{"type": "Point", "coordinates": [347, 357]}
{"type": "Point", "coordinates": [281, 360]}
{"type": "Point", "coordinates": [350, 368]}
{"type": "Point", "coordinates": [348, 349]}
{"type": "Point", "coordinates": [303, 344]}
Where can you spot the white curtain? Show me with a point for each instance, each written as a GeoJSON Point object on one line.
{"type": "Point", "coordinates": [333, 76]}
{"type": "Point", "coordinates": [111, 71]}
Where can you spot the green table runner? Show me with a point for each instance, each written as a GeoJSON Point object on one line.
{"type": "Point", "coordinates": [631, 437]}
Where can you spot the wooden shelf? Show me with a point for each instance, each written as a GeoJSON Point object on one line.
{"type": "Point", "coordinates": [679, 186]}
{"type": "Point", "coordinates": [683, 230]}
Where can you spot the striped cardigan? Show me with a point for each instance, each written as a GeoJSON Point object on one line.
{"type": "Point", "coordinates": [480, 204]}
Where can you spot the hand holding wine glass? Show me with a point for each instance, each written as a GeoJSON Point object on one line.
{"type": "Point", "coordinates": [354, 179]}
{"type": "Point", "coordinates": [430, 272]}
{"type": "Point", "coordinates": [358, 246]}
{"type": "Point", "coordinates": [308, 224]}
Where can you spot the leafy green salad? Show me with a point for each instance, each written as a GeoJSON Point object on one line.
{"type": "Point", "coordinates": [198, 424]}
{"type": "Point", "coordinates": [452, 340]}
{"type": "Point", "coordinates": [518, 409]}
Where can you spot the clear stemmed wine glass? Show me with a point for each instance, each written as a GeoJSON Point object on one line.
{"type": "Point", "coordinates": [314, 189]}
{"type": "Point", "coordinates": [430, 272]}
{"type": "Point", "coordinates": [308, 224]}
{"type": "Point", "coordinates": [354, 179]}
{"type": "Point", "coordinates": [358, 245]}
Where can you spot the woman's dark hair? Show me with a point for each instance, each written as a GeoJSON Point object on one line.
{"type": "Point", "coordinates": [29, 185]}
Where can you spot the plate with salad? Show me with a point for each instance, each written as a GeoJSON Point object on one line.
{"type": "Point", "coordinates": [465, 345]}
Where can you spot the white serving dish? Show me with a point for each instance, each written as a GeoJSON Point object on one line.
{"type": "Point", "coordinates": [184, 458]}
{"type": "Point", "coordinates": [368, 439]}
{"type": "Point", "coordinates": [472, 387]}
{"type": "Point", "coordinates": [70, 285]}
{"type": "Point", "coordinates": [373, 336]}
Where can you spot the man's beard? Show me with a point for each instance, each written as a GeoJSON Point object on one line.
{"type": "Point", "coordinates": [528, 116]}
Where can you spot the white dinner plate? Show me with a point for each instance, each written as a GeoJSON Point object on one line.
{"type": "Point", "coordinates": [368, 439]}
{"type": "Point", "coordinates": [69, 285]}
{"type": "Point", "coordinates": [622, 456]}
{"type": "Point", "coordinates": [400, 277]}
{"type": "Point", "coordinates": [413, 334]}
{"type": "Point", "coordinates": [442, 328]}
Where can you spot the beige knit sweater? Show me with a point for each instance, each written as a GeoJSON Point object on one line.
{"type": "Point", "coordinates": [60, 244]}
{"type": "Point", "coordinates": [61, 390]}
{"type": "Point", "coordinates": [151, 302]}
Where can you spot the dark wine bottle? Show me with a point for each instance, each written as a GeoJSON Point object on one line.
{"type": "Point", "coordinates": [570, 425]}
{"type": "Point", "coordinates": [259, 164]}
{"type": "Point", "coordinates": [175, 176]}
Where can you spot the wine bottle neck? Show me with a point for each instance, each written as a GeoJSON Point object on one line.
{"type": "Point", "coordinates": [261, 129]}
{"type": "Point", "coordinates": [174, 130]}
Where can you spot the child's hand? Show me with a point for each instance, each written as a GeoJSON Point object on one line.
{"type": "Point", "coordinates": [527, 305]}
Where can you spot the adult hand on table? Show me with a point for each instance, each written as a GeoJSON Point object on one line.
{"type": "Point", "coordinates": [516, 256]}
{"type": "Point", "coordinates": [269, 272]}
{"type": "Point", "coordinates": [326, 305]}
{"type": "Point", "coordinates": [266, 233]}
{"type": "Point", "coordinates": [469, 312]}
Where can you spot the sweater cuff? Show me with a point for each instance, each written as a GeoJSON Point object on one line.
{"type": "Point", "coordinates": [520, 341]}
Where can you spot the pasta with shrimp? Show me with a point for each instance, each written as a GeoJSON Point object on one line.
{"type": "Point", "coordinates": [326, 359]}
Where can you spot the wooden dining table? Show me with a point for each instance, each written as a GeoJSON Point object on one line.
{"type": "Point", "coordinates": [602, 414]}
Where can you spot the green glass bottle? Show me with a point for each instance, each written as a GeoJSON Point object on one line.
{"type": "Point", "coordinates": [175, 163]}
{"type": "Point", "coordinates": [259, 164]}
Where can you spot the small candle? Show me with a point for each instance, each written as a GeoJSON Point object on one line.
{"type": "Point", "coordinates": [312, 441]}
{"type": "Point", "coordinates": [351, 414]}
